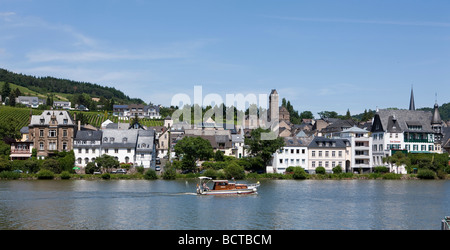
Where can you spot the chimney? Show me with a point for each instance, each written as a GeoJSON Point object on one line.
{"type": "Point", "coordinates": [79, 125]}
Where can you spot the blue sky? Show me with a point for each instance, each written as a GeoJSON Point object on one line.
{"type": "Point", "coordinates": [320, 55]}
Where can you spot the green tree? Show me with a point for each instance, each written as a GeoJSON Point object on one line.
{"type": "Point", "coordinates": [263, 148]}
{"type": "Point", "coordinates": [6, 90]}
{"type": "Point", "coordinates": [107, 162]}
{"type": "Point", "coordinates": [398, 159]}
{"type": "Point", "coordinates": [233, 170]}
{"type": "Point", "coordinates": [306, 115]}
{"type": "Point", "coordinates": [190, 149]}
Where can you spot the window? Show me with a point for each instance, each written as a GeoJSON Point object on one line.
{"type": "Point", "coordinates": [52, 146]}
{"type": "Point", "coordinates": [64, 146]}
{"type": "Point", "coordinates": [320, 164]}
{"type": "Point", "coordinates": [79, 150]}
{"type": "Point", "coordinates": [303, 151]}
{"type": "Point", "coordinates": [52, 133]}
{"type": "Point", "coordinates": [313, 164]}
{"type": "Point", "coordinates": [41, 133]}
{"type": "Point", "coordinates": [333, 153]}
{"type": "Point", "coordinates": [281, 161]}
{"type": "Point", "coordinates": [128, 150]}
{"type": "Point", "coordinates": [320, 153]}
{"type": "Point", "coordinates": [41, 146]}
{"type": "Point", "coordinates": [79, 160]}
{"type": "Point", "coordinates": [313, 153]}
{"type": "Point", "coordinates": [125, 140]}
{"type": "Point", "coordinates": [87, 151]}
{"type": "Point", "coordinates": [65, 132]}
{"type": "Point", "coordinates": [116, 150]}
{"type": "Point", "coordinates": [340, 153]}
{"type": "Point", "coordinates": [327, 153]}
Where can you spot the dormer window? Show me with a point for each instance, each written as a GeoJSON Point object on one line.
{"type": "Point", "coordinates": [111, 139]}
{"type": "Point", "coordinates": [125, 140]}
{"type": "Point", "coordinates": [105, 139]}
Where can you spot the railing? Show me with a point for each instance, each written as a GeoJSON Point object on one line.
{"type": "Point", "coordinates": [446, 223]}
{"type": "Point", "coordinates": [418, 140]}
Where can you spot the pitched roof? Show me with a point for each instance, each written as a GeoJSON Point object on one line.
{"type": "Point", "coordinates": [62, 118]}
{"type": "Point", "coordinates": [398, 120]}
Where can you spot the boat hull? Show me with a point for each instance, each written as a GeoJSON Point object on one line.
{"type": "Point", "coordinates": [228, 192]}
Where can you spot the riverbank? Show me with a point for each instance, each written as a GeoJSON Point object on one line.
{"type": "Point", "coordinates": [249, 176]}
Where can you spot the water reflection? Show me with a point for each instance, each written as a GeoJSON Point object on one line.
{"type": "Point", "coordinates": [286, 204]}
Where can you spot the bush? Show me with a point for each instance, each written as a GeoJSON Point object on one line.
{"type": "Point", "coordinates": [10, 175]}
{"type": "Point", "coordinates": [320, 170]}
{"type": "Point", "coordinates": [65, 175]}
{"type": "Point", "coordinates": [381, 169]}
{"type": "Point", "coordinates": [299, 173]}
{"type": "Point", "coordinates": [233, 170]}
{"type": "Point", "coordinates": [106, 176]}
{"type": "Point", "coordinates": [337, 169]}
{"type": "Point", "coordinates": [425, 174]}
{"type": "Point", "coordinates": [45, 175]}
{"type": "Point", "coordinates": [210, 173]}
{"type": "Point", "coordinates": [150, 175]}
{"type": "Point", "coordinates": [169, 173]}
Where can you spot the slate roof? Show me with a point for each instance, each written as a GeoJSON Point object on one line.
{"type": "Point", "coordinates": [85, 135]}
{"type": "Point", "coordinates": [46, 116]}
{"type": "Point", "coordinates": [297, 141]}
{"type": "Point", "coordinates": [119, 135]}
{"type": "Point", "coordinates": [328, 143]}
{"type": "Point", "coordinates": [397, 121]}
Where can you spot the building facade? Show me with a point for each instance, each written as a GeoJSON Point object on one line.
{"type": "Point", "coordinates": [361, 159]}
{"type": "Point", "coordinates": [329, 153]}
{"type": "Point", "coordinates": [293, 154]}
{"type": "Point", "coordinates": [52, 132]}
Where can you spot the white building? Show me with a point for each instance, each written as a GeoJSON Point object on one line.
{"type": "Point", "coordinates": [87, 146]}
{"type": "Point", "coordinates": [329, 153]}
{"type": "Point", "coordinates": [361, 145]}
{"type": "Point", "coordinates": [293, 154]}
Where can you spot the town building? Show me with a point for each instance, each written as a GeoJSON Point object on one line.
{"type": "Point", "coordinates": [30, 101]}
{"type": "Point", "coordinates": [52, 132]}
{"type": "Point", "coordinates": [329, 153]}
{"type": "Point", "coordinates": [87, 146]}
{"type": "Point", "coordinates": [293, 154]}
{"type": "Point", "coordinates": [127, 112]}
{"type": "Point", "coordinates": [360, 140]}
{"type": "Point", "coordinates": [62, 105]}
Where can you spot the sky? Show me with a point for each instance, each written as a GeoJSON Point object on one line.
{"type": "Point", "coordinates": [320, 55]}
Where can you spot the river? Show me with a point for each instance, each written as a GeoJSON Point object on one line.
{"type": "Point", "coordinates": [173, 205]}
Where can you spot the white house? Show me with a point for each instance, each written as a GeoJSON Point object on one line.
{"type": "Point", "coordinates": [361, 146]}
{"type": "Point", "coordinates": [87, 146]}
{"type": "Point", "coordinates": [329, 153]}
{"type": "Point", "coordinates": [294, 153]}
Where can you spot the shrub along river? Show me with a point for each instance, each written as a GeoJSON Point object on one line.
{"type": "Point", "coordinates": [279, 204]}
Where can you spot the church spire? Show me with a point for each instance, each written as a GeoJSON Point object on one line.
{"type": "Point", "coordinates": [411, 101]}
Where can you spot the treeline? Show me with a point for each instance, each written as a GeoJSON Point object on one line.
{"type": "Point", "coordinates": [51, 84]}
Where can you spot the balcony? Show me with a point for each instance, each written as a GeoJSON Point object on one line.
{"type": "Point", "coordinates": [419, 140]}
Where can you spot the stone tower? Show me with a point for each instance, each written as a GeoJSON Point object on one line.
{"type": "Point", "coordinates": [273, 105]}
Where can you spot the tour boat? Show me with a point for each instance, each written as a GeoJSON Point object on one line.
{"type": "Point", "coordinates": [224, 187]}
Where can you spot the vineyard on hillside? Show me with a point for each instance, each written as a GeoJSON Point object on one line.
{"type": "Point", "coordinates": [22, 116]}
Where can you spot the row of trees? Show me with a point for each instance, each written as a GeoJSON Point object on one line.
{"type": "Point", "coordinates": [429, 164]}
{"type": "Point", "coordinates": [190, 150]}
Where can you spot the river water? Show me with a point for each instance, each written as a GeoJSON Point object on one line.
{"type": "Point", "coordinates": [173, 205]}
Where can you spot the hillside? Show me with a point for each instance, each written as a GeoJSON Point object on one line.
{"type": "Point", "coordinates": [21, 117]}
{"type": "Point", "coordinates": [64, 88]}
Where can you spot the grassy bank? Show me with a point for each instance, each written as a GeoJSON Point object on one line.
{"type": "Point", "coordinates": [251, 176]}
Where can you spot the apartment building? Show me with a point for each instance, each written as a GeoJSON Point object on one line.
{"type": "Point", "coordinates": [329, 153]}
{"type": "Point", "coordinates": [51, 132]}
